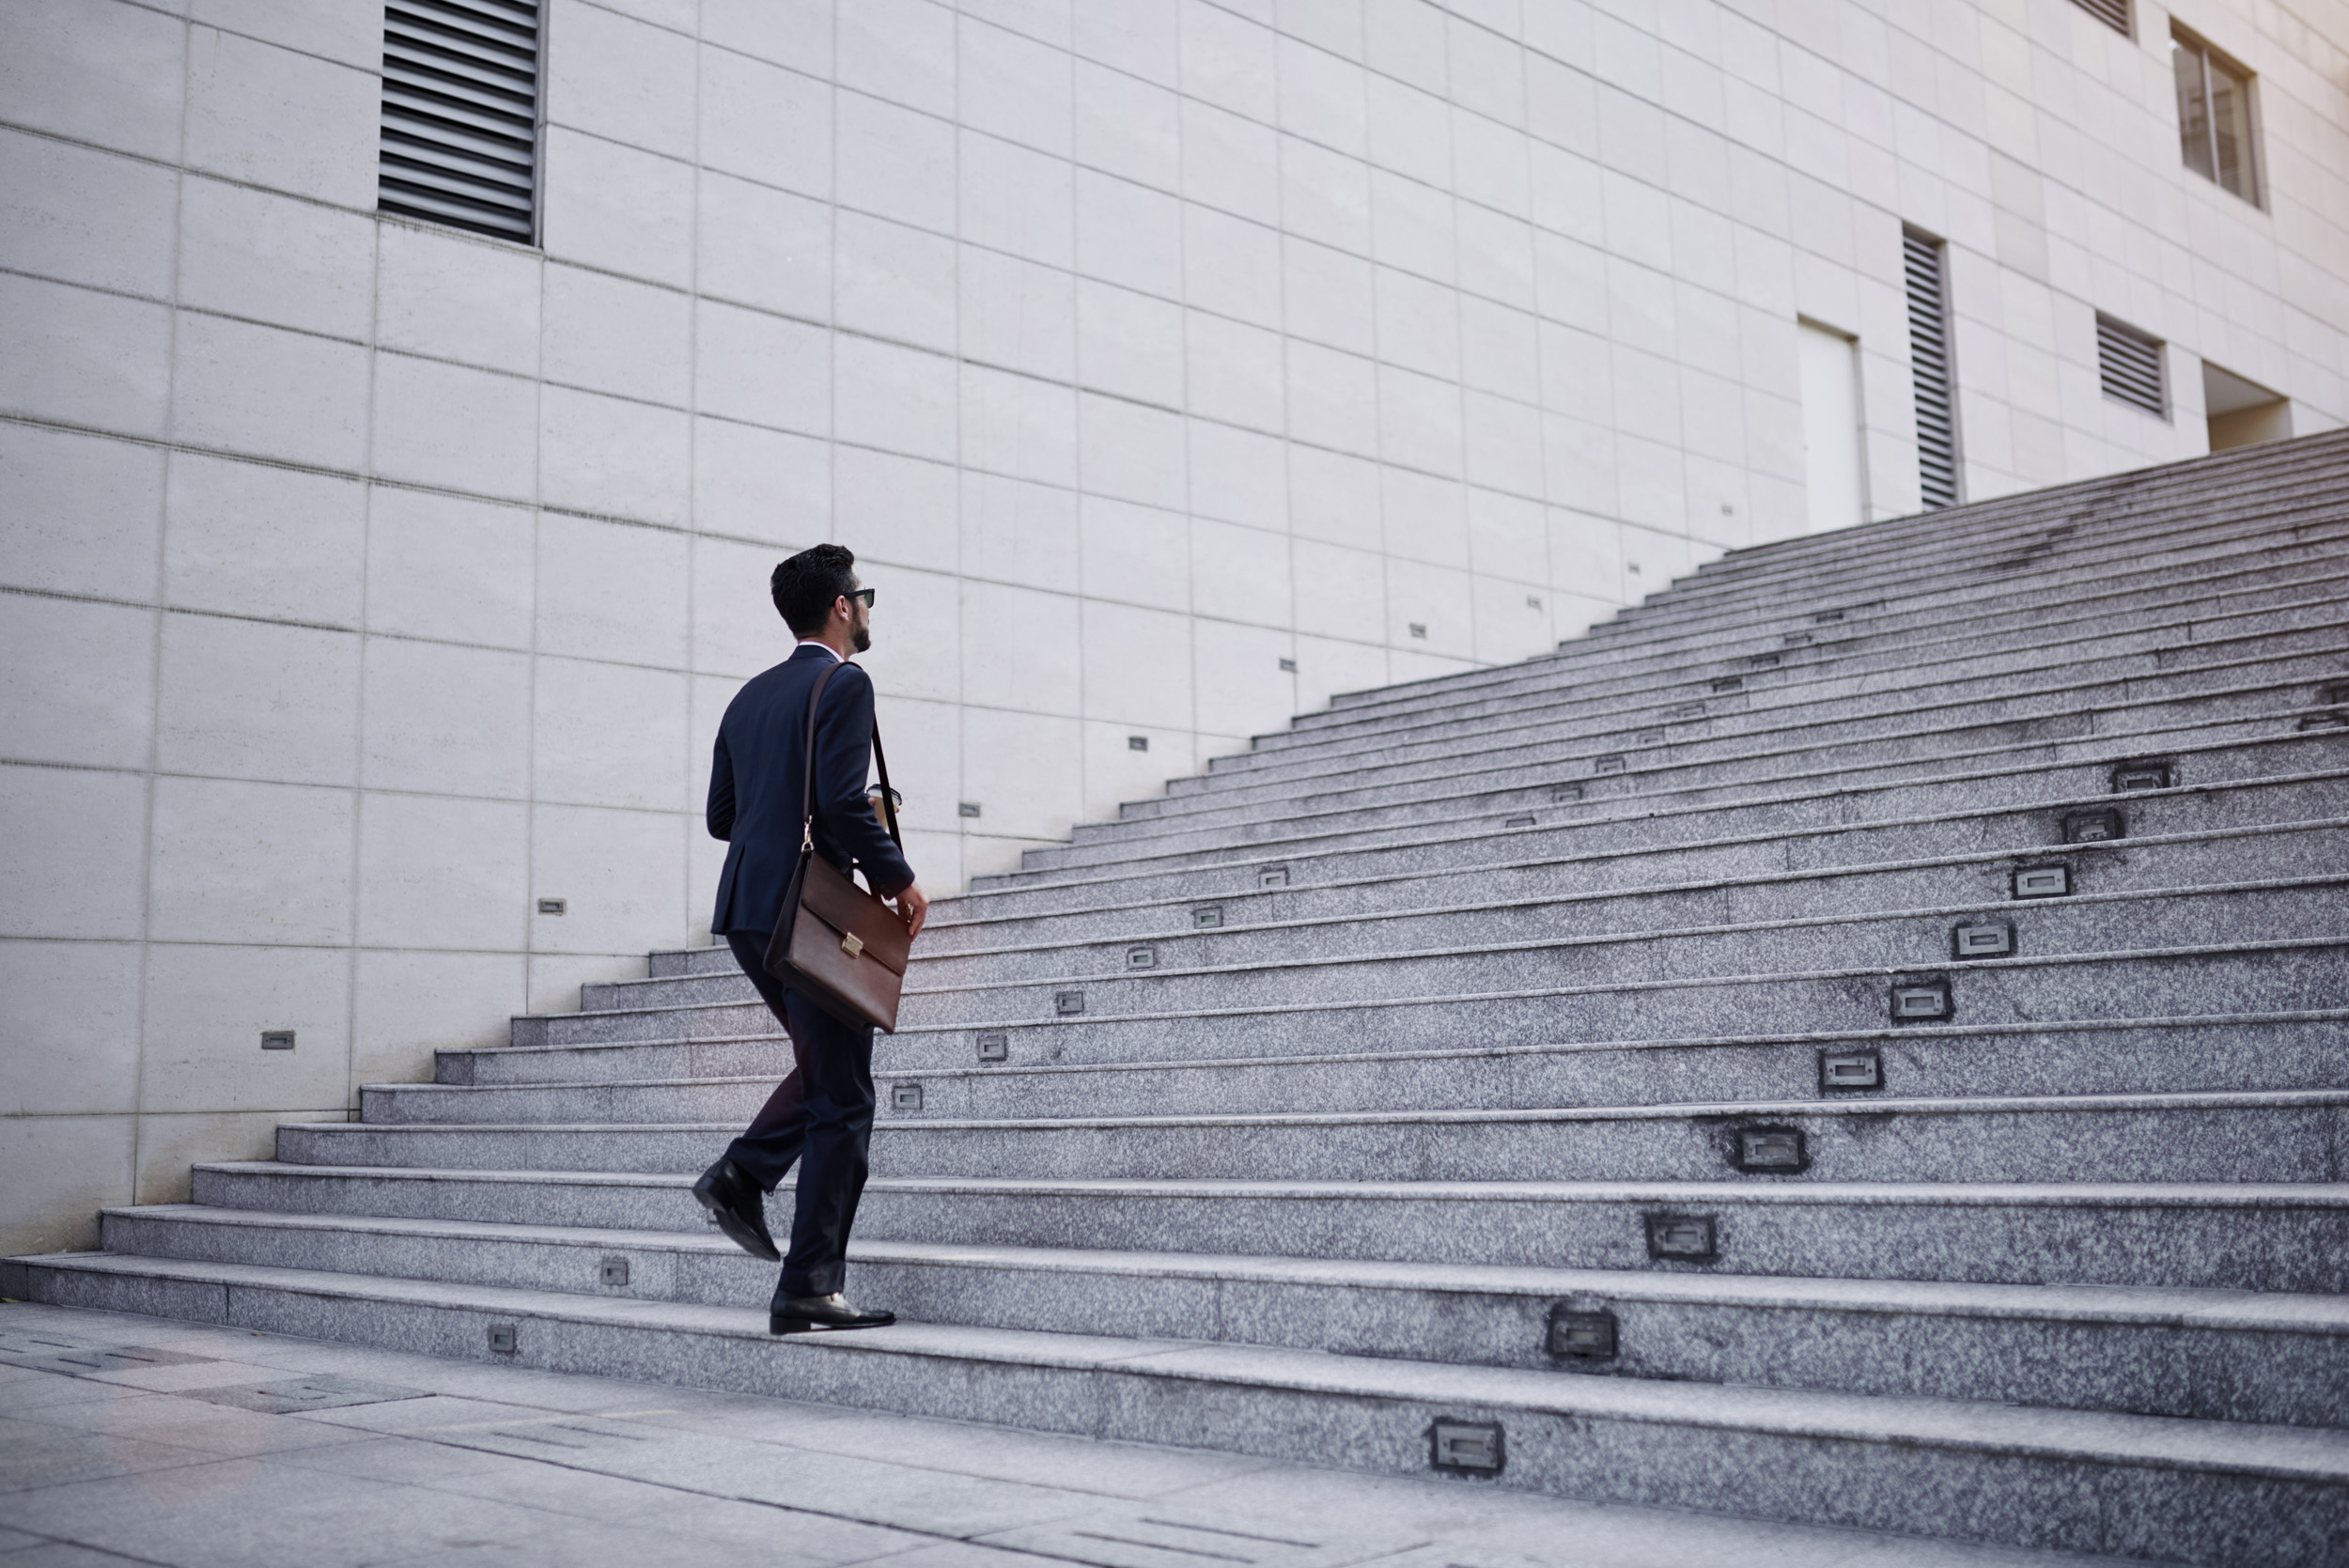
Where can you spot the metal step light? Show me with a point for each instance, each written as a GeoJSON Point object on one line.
{"type": "Point", "coordinates": [1768, 660]}
{"type": "Point", "coordinates": [1581, 1335]}
{"type": "Point", "coordinates": [1825, 617]}
{"type": "Point", "coordinates": [1467, 1448]}
{"type": "Point", "coordinates": [1922, 1001]}
{"type": "Point", "coordinates": [1770, 1151]}
{"type": "Point", "coordinates": [1143, 958]}
{"type": "Point", "coordinates": [1797, 640]}
{"type": "Point", "coordinates": [1684, 713]}
{"type": "Point", "coordinates": [2043, 881]}
{"type": "Point", "coordinates": [1273, 877]}
{"type": "Point", "coordinates": [2094, 826]}
{"type": "Point", "coordinates": [905, 1096]}
{"type": "Point", "coordinates": [1516, 822]}
{"type": "Point", "coordinates": [1207, 917]}
{"type": "Point", "coordinates": [505, 1339]}
{"type": "Point", "coordinates": [1723, 683]}
{"type": "Point", "coordinates": [1982, 939]}
{"type": "Point", "coordinates": [1067, 1005]}
{"type": "Point", "coordinates": [1614, 761]}
{"type": "Point", "coordinates": [994, 1046]}
{"type": "Point", "coordinates": [613, 1273]}
{"type": "Point", "coordinates": [1682, 1237]}
{"type": "Point", "coordinates": [277, 1039]}
{"type": "Point", "coordinates": [1565, 794]}
{"type": "Point", "coordinates": [1648, 737]}
{"type": "Point", "coordinates": [1847, 1070]}
{"type": "Point", "coordinates": [2131, 776]}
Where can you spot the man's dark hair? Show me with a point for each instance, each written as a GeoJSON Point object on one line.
{"type": "Point", "coordinates": [806, 585]}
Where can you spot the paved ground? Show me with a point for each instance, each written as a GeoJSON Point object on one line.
{"type": "Point", "coordinates": [131, 1440]}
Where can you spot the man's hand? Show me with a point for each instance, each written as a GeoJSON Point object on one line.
{"type": "Point", "coordinates": [913, 908]}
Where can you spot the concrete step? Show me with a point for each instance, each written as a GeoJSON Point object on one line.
{"type": "Point", "coordinates": [2213, 1136]}
{"type": "Point", "coordinates": [2303, 1050]}
{"type": "Point", "coordinates": [2224, 1236]}
{"type": "Point", "coordinates": [1629, 841]}
{"type": "Point", "coordinates": [2265, 697]}
{"type": "Point", "coordinates": [2107, 907]}
{"type": "Point", "coordinates": [2200, 1355]}
{"type": "Point", "coordinates": [1564, 1000]}
{"type": "Point", "coordinates": [1856, 686]}
{"type": "Point", "coordinates": [2197, 1491]}
{"type": "Point", "coordinates": [2030, 760]}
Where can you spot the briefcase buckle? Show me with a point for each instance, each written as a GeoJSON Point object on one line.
{"type": "Point", "coordinates": [852, 944]}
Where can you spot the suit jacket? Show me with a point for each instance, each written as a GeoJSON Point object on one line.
{"type": "Point", "coordinates": [754, 782]}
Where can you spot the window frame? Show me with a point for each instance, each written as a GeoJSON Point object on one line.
{"type": "Point", "coordinates": [2210, 56]}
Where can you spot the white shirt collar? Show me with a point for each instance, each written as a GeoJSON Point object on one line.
{"type": "Point", "coordinates": [830, 651]}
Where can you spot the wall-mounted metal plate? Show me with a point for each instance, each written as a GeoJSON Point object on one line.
{"type": "Point", "coordinates": [1614, 761]}
{"type": "Point", "coordinates": [1468, 1447]}
{"type": "Point", "coordinates": [1067, 1005]}
{"type": "Point", "coordinates": [1922, 1001]}
{"type": "Point", "coordinates": [2043, 881]}
{"type": "Point", "coordinates": [1844, 1071]}
{"type": "Point", "coordinates": [1288, 666]}
{"type": "Point", "coordinates": [1418, 629]}
{"type": "Point", "coordinates": [966, 808]}
{"type": "Point", "coordinates": [1724, 684]}
{"type": "Point", "coordinates": [554, 906]}
{"type": "Point", "coordinates": [1682, 1237]}
{"type": "Point", "coordinates": [1516, 822]}
{"type": "Point", "coordinates": [1982, 939]}
{"type": "Point", "coordinates": [1781, 1151]}
{"type": "Point", "coordinates": [1564, 794]}
{"type": "Point", "coordinates": [994, 1046]}
{"type": "Point", "coordinates": [613, 1273]}
{"type": "Point", "coordinates": [1273, 876]}
{"type": "Point", "coordinates": [1207, 917]}
{"type": "Point", "coordinates": [505, 1339]}
{"type": "Point", "coordinates": [905, 1096]}
{"type": "Point", "coordinates": [1581, 1335]}
{"type": "Point", "coordinates": [1143, 958]}
{"type": "Point", "coordinates": [277, 1039]}
{"type": "Point", "coordinates": [2149, 774]}
{"type": "Point", "coordinates": [2094, 826]}
{"type": "Point", "coordinates": [1137, 743]}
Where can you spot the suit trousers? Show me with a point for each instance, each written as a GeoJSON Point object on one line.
{"type": "Point", "coordinates": [822, 1117]}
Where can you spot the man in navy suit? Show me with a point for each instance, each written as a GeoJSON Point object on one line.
{"type": "Point", "coordinates": [821, 1116]}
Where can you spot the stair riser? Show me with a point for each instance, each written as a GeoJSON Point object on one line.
{"type": "Point", "coordinates": [2152, 1368]}
{"type": "Point", "coordinates": [2033, 1502]}
{"type": "Point", "coordinates": [2147, 1060]}
{"type": "Point", "coordinates": [2278, 781]}
{"type": "Point", "coordinates": [2180, 623]}
{"type": "Point", "coordinates": [1525, 915]}
{"type": "Point", "coordinates": [2267, 1144]}
{"type": "Point", "coordinates": [1599, 1005]}
{"type": "Point", "coordinates": [2097, 669]}
{"type": "Point", "coordinates": [2264, 1243]}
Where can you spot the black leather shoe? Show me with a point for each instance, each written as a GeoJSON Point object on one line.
{"type": "Point", "coordinates": [802, 1314]}
{"type": "Point", "coordinates": [739, 1207]}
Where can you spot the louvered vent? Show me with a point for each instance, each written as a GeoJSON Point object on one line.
{"type": "Point", "coordinates": [2112, 13]}
{"type": "Point", "coordinates": [2130, 365]}
{"type": "Point", "coordinates": [1933, 363]}
{"type": "Point", "coordinates": [460, 113]}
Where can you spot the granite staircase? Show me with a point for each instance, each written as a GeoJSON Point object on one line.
{"type": "Point", "coordinates": [1860, 1038]}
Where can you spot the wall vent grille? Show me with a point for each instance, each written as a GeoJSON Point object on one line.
{"type": "Point", "coordinates": [1933, 363]}
{"type": "Point", "coordinates": [460, 113]}
{"type": "Point", "coordinates": [2129, 363]}
{"type": "Point", "coordinates": [2112, 13]}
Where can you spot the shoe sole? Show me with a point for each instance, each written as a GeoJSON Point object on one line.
{"type": "Point", "coordinates": [740, 1235]}
{"type": "Point", "coordinates": [778, 1325]}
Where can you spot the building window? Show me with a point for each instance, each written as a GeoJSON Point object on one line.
{"type": "Point", "coordinates": [2112, 13]}
{"type": "Point", "coordinates": [2129, 363]}
{"type": "Point", "coordinates": [460, 113]}
{"type": "Point", "coordinates": [2215, 115]}
{"type": "Point", "coordinates": [1932, 366]}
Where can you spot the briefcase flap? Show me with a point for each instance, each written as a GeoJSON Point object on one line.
{"type": "Point", "coordinates": [877, 932]}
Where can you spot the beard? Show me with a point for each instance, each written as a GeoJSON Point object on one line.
{"type": "Point", "coordinates": [862, 638]}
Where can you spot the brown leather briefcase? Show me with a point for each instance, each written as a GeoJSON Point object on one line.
{"type": "Point", "coordinates": [838, 945]}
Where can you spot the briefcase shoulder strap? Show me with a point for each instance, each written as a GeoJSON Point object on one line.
{"type": "Point", "coordinates": [807, 783]}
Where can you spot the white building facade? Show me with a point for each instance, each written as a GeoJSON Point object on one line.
{"type": "Point", "coordinates": [372, 588]}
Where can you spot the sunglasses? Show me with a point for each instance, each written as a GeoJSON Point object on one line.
{"type": "Point", "coordinates": [865, 594]}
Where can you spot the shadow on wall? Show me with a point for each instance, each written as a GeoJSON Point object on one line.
{"type": "Point", "coordinates": [2242, 413]}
